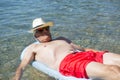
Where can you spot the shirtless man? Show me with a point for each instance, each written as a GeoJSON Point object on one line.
{"type": "Point", "coordinates": [66, 57]}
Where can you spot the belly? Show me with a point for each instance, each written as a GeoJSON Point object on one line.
{"type": "Point", "coordinates": [52, 60]}
{"type": "Point", "coordinates": [53, 54]}
{"type": "Point", "coordinates": [58, 61]}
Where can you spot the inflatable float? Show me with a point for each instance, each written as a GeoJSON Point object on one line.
{"type": "Point", "coordinates": [45, 69]}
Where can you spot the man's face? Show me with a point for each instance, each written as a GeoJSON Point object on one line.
{"type": "Point", "coordinates": [43, 34]}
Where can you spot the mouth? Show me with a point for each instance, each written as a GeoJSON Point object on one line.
{"type": "Point", "coordinates": [45, 39]}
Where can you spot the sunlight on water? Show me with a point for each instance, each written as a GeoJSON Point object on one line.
{"type": "Point", "coordinates": [89, 23]}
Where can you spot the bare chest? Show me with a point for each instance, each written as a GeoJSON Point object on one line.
{"type": "Point", "coordinates": [53, 46]}
{"type": "Point", "coordinates": [52, 53]}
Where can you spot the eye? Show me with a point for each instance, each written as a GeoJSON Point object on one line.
{"type": "Point", "coordinates": [39, 31]}
{"type": "Point", "coordinates": [47, 28]}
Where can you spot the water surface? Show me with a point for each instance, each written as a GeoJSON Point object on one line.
{"type": "Point", "coordinates": [89, 23]}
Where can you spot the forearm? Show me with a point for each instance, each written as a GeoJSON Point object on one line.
{"type": "Point", "coordinates": [77, 47]}
{"type": "Point", "coordinates": [18, 73]}
{"type": "Point", "coordinates": [88, 49]}
{"type": "Point", "coordinates": [81, 49]}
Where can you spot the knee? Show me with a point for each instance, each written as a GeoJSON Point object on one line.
{"type": "Point", "coordinates": [114, 68]}
{"type": "Point", "coordinates": [113, 71]}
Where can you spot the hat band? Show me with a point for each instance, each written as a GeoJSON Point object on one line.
{"type": "Point", "coordinates": [38, 26]}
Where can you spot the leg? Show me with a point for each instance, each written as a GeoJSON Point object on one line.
{"type": "Point", "coordinates": [111, 59]}
{"type": "Point", "coordinates": [102, 71]}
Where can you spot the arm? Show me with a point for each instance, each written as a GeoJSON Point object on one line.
{"type": "Point", "coordinates": [77, 47]}
{"type": "Point", "coordinates": [72, 44]}
{"type": "Point", "coordinates": [88, 49]}
{"type": "Point", "coordinates": [82, 49]}
{"type": "Point", "coordinates": [28, 56]}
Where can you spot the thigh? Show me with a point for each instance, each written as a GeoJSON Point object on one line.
{"type": "Point", "coordinates": [102, 71]}
{"type": "Point", "coordinates": [111, 59]}
{"type": "Point", "coordinates": [96, 70]}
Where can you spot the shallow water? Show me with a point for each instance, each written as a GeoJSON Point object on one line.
{"type": "Point", "coordinates": [89, 23]}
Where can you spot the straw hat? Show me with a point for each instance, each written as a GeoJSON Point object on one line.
{"type": "Point", "coordinates": [39, 23]}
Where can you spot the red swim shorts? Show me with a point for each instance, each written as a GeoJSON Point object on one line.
{"type": "Point", "coordinates": [75, 64]}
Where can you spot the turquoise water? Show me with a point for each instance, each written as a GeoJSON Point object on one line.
{"type": "Point", "coordinates": [89, 23]}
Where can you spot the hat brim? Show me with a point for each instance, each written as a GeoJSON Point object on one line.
{"type": "Point", "coordinates": [50, 24]}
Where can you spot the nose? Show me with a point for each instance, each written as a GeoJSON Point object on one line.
{"type": "Point", "coordinates": [44, 30]}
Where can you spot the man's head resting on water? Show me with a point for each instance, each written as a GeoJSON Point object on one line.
{"type": "Point", "coordinates": [40, 30]}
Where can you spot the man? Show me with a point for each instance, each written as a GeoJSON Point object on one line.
{"type": "Point", "coordinates": [66, 57]}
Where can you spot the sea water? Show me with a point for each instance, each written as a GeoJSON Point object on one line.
{"type": "Point", "coordinates": [89, 23]}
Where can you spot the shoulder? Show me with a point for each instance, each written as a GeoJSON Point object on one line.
{"type": "Point", "coordinates": [27, 50]}
{"type": "Point", "coordinates": [31, 47]}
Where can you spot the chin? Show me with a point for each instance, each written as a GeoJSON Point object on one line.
{"type": "Point", "coordinates": [46, 40]}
